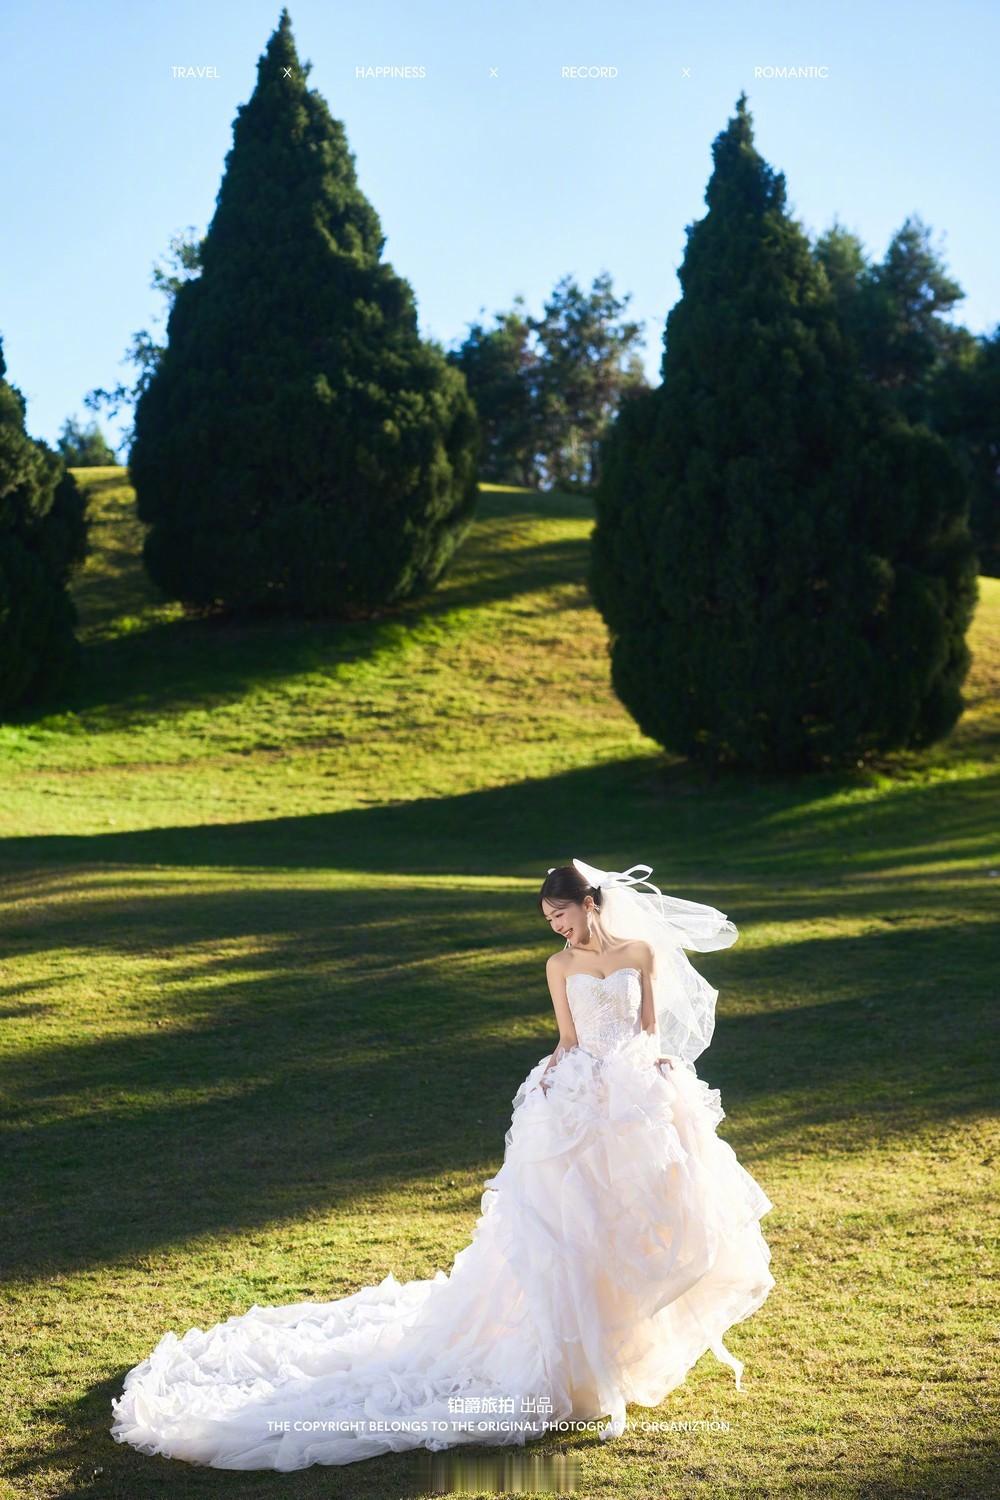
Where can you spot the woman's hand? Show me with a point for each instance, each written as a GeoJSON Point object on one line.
{"type": "Point", "coordinates": [668, 1060]}
{"type": "Point", "coordinates": [560, 1052]}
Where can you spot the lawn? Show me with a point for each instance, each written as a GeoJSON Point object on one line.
{"type": "Point", "coordinates": [272, 970]}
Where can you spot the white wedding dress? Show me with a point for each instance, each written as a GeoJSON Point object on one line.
{"type": "Point", "coordinates": [617, 1243]}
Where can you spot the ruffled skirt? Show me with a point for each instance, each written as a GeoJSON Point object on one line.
{"type": "Point", "coordinates": [617, 1243]}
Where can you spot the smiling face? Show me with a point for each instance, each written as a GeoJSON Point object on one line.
{"type": "Point", "coordinates": [568, 919]}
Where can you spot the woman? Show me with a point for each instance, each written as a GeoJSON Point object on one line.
{"type": "Point", "coordinates": [616, 1244]}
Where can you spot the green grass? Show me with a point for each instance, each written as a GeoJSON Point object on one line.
{"type": "Point", "coordinates": [272, 970]}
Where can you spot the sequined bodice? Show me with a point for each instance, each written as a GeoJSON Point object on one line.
{"type": "Point", "coordinates": [606, 1011]}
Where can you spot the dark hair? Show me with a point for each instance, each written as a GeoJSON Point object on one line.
{"type": "Point", "coordinates": [564, 884]}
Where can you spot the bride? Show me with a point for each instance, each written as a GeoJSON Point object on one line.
{"type": "Point", "coordinates": [618, 1241]}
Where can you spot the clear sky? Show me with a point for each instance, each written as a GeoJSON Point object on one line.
{"type": "Point", "coordinates": [486, 185]}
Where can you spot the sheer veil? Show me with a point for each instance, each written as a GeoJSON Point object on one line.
{"type": "Point", "coordinates": [683, 999]}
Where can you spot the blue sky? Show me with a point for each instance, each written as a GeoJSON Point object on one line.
{"type": "Point", "coordinates": [485, 186]}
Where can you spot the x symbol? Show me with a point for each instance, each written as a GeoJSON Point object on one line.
{"type": "Point", "coordinates": [494, 72]}
{"type": "Point", "coordinates": [685, 72]}
{"type": "Point", "coordinates": [287, 72]}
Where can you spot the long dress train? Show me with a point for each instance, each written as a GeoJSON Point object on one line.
{"type": "Point", "coordinates": [617, 1243]}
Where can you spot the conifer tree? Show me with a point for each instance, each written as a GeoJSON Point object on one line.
{"type": "Point", "coordinates": [43, 536]}
{"type": "Point", "coordinates": [782, 560]}
{"type": "Point", "coordinates": [967, 412]}
{"type": "Point", "coordinates": [299, 447]}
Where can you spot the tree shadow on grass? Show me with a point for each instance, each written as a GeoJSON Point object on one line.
{"type": "Point", "coordinates": [719, 830]}
{"type": "Point", "coordinates": [315, 1069]}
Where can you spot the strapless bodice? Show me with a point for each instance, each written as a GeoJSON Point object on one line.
{"type": "Point", "coordinates": [606, 1010]}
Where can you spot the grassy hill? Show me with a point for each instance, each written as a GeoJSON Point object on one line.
{"type": "Point", "coordinates": [272, 970]}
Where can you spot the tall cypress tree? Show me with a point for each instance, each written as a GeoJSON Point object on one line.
{"type": "Point", "coordinates": [43, 537]}
{"type": "Point", "coordinates": [966, 411]}
{"type": "Point", "coordinates": [299, 448]}
{"type": "Point", "coordinates": [783, 562]}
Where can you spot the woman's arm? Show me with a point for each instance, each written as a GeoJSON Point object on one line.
{"type": "Point", "coordinates": [564, 1016]}
{"type": "Point", "coordinates": [647, 1015]}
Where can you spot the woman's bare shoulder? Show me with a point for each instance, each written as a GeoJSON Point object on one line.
{"type": "Point", "coordinates": [636, 951]}
{"type": "Point", "coordinates": [643, 951]}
